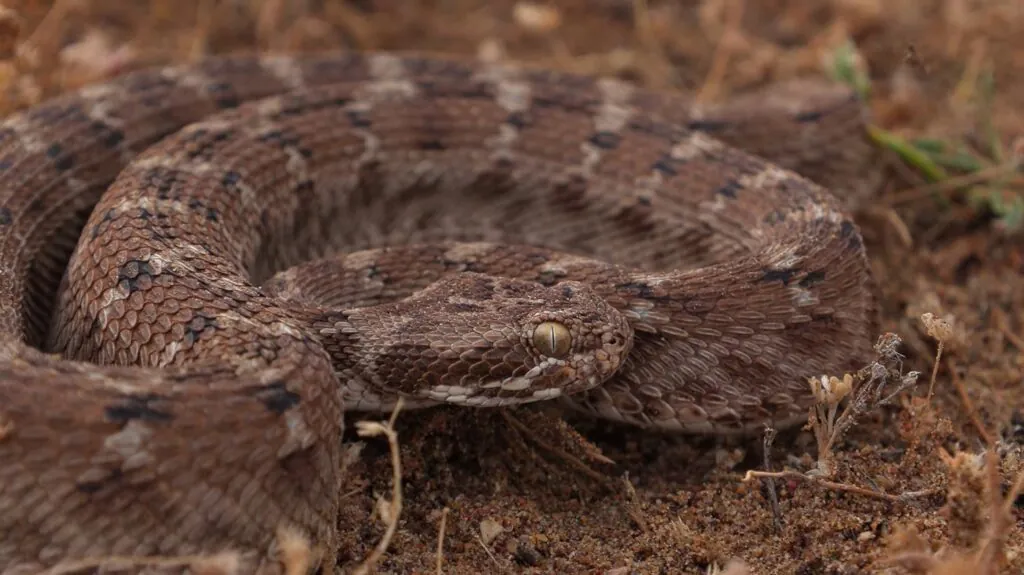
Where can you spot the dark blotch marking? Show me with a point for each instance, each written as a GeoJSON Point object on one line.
{"type": "Point", "coordinates": [203, 148]}
{"type": "Point", "coordinates": [666, 165]}
{"type": "Point", "coordinates": [1016, 434]}
{"type": "Point", "coordinates": [583, 101]}
{"type": "Point", "coordinates": [567, 292]}
{"type": "Point", "coordinates": [5, 164]}
{"type": "Point", "coordinates": [223, 94]}
{"type": "Point", "coordinates": [823, 318]}
{"type": "Point", "coordinates": [6, 217]}
{"type": "Point", "coordinates": [277, 398]}
{"type": "Point", "coordinates": [112, 137]}
{"type": "Point", "coordinates": [639, 289]}
{"type": "Point", "coordinates": [301, 106]}
{"type": "Point", "coordinates": [805, 117]}
{"type": "Point", "coordinates": [848, 231]}
{"type": "Point", "coordinates": [463, 266]}
{"type": "Point", "coordinates": [813, 278]}
{"type": "Point", "coordinates": [139, 408]}
{"type": "Point", "coordinates": [774, 218]}
{"type": "Point", "coordinates": [432, 144]}
{"type": "Point", "coordinates": [518, 120]}
{"type": "Point", "coordinates": [484, 290]}
{"type": "Point", "coordinates": [475, 92]}
{"type": "Point", "coordinates": [427, 87]}
{"type": "Point", "coordinates": [493, 182]}
{"type": "Point", "coordinates": [230, 179]}
{"type": "Point", "coordinates": [707, 125]}
{"type": "Point", "coordinates": [36, 207]}
{"type": "Point", "coordinates": [51, 113]}
{"type": "Point", "coordinates": [90, 487]}
{"type": "Point", "coordinates": [504, 164]}
{"type": "Point", "coordinates": [195, 328]}
{"type": "Point", "coordinates": [433, 89]}
{"type": "Point", "coordinates": [61, 161]}
{"type": "Point", "coordinates": [536, 258]}
{"type": "Point", "coordinates": [570, 193]}
{"type": "Point", "coordinates": [784, 275]}
{"type": "Point", "coordinates": [664, 131]}
{"type": "Point", "coordinates": [134, 274]}
{"type": "Point", "coordinates": [209, 213]}
{"type": "Point", "coordinates": [637, 216]}
{"type": "Point", "coordinates": [285, 141]}
{"type": "Point", "coordinates": [550, 278]}
{"type": "Point", "coordinates": [729, 189]}
{"type": "Point", "coordinates": [195, 135]}
{"type": "Point", "coordinates": [7, 134]}
{"type": "Point", "coordinates": [606, 140]}
{"type": "Point", "coordinates": [160, 178]}
{"type": "Point", "coordinates": [358, 119]}
{"type": "Point", "coordinates": [109, 217]}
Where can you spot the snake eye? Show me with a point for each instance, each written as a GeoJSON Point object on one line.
{"type": "Point", "coordinates": [552, 339]}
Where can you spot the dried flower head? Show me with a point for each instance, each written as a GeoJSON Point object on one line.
{"type": "Point", "coordinates": [939, 328]}
{"type": "Point", "coordinates": [830, 390]}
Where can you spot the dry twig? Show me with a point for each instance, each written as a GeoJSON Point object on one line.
{"type": "Point", "coordinates": [806, 477]}
{"type": "Point", "coordinates": [440, 540]}
{"type": "Point", "coordinates": [392, 511]}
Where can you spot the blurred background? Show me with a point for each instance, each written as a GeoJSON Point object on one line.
{"type": "Point", "coordinates": [943, 80]}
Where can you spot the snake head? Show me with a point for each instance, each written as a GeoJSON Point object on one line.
{"type": "Point", "coordinates": [477, 340]}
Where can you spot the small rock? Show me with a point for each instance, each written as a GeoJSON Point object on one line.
{"type": "Point", "coordinates": [526, 554]}
{"type": "Point", "coordinates": [489, 530]}
{"type": "Point", "coordinates": [536, 17]}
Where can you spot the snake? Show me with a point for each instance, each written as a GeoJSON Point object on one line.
{"type": "Point", "coordinates": [205, 266]}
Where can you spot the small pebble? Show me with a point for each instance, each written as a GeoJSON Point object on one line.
{"type": "Point", "coordinates": [489, 530]}
{"type": "Point", "coordinates": [525, 554]}
{"type": "Point", "coordinates": [536, 17]}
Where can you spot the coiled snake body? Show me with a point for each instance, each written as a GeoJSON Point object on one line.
{"type": "Point", "coordinates": [550, 236]}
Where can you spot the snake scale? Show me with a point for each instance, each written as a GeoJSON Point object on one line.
{"type": "Point", "coordinates": [205, 266]}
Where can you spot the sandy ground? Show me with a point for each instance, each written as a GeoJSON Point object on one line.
{"type": "Point", "coordinates": [528, 491]}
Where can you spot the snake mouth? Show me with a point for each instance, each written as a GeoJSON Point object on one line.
{"type": "Point", "coordinates": [582, 380]}
{"type": "Point", "coordinates": [564, 379]}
